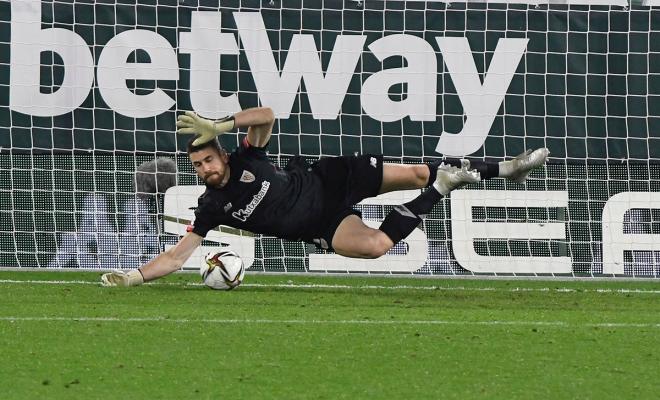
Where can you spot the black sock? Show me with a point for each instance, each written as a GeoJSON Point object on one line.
{"type": "Point", "coordinates": [486, 170]}
{"type": "Point", "coordinates": [403, 219]}
{"type": "Point", "coordinates": [433, 171]}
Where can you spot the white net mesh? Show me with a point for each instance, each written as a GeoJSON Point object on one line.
{"type": "Point", "coordinates": [90, 90]}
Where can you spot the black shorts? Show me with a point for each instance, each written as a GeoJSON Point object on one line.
{"type": "Point", "coordinates": [347, 181]}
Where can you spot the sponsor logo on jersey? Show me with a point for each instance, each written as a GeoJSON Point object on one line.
{"type": "Point", "coordinates": [244, 214]}
{"type": "Point", "coordinates": [247, 177]}
{"type": "Point", "coordinates": [373, 161]}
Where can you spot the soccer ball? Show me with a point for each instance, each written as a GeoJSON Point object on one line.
{"type": "Point", "coordinates": [222, 270]}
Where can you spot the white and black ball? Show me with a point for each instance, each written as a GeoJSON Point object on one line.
{"type": "Point", "coordinates": [222, 270]}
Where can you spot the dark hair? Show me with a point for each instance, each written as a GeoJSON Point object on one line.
{"type": "Point", "coordinates": [213, 144]}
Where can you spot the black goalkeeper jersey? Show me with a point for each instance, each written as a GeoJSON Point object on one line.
{"type": "Point", "coordinates": [262, 198]}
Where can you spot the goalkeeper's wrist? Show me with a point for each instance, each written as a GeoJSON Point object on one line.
{"type": "Point", "coordinates": [135, 277]}
{"type": "Point", "coordinates": [225, 124]}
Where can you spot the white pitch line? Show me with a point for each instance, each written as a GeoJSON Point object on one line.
{"type": "Point", "coordinates": [319, 322]}
{"type": "Point", "coordinates": [560, 324]}
{"type": "Point", "coordinates": [356, 287]}
{"type": "Point", "coordinates": [32, 281]}
{"type": "Point", "coordinates": [458, 288]}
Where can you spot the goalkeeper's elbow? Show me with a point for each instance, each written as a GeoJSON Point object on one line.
{"type": "Point", "coordinates": [270, 114]}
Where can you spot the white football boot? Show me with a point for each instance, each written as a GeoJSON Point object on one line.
{"type": "Point", "coordinates": [519, 168]}
{"type": "Point", "coordinates": [450, 178]}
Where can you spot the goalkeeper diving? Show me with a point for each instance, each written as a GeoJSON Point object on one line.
{"type": "Point", "coordinates": [308, 202]}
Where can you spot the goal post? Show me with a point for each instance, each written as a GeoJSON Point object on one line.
{"type": "Point", "coordinates": [92, 174]}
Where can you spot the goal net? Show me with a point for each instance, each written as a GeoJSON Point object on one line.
{"type": "Point", "coordinates": [92, 174]}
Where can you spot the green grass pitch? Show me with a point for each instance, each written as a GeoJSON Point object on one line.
{"type": "Point", "coordinates": [63, 336]}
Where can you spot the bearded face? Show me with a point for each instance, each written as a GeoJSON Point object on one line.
{"type": "Point", "coordinates": [211, 166]}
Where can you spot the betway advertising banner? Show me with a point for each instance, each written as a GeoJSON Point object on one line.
{"type": "Point", "coordinates": [90, 91]}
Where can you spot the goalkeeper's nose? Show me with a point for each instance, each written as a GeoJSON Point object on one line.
{"type": "Point", "coordinates": [207, 169]}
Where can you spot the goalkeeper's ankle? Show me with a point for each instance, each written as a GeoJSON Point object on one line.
{"type": "Point", "coordinates": [507, 168]}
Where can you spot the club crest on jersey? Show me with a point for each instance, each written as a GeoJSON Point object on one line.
{"type": "Point", "coordinates": [227, 207]}
{"type": "Point", "coordinates": [247, 177]}
{"type": "Point", "coordinates": [373, 161]}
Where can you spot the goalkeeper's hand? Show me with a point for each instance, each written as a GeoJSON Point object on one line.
{"type": "Point", "coordinates": [121, 278]}
{"type": "Point", "coordinates": [206, 129]}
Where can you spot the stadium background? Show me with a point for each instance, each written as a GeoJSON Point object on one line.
{"type": "Point", "coordinates": [586, 88]}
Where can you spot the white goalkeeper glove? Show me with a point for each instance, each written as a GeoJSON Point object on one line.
{"type": "Point", "coordinates": [121, 278]}
{"type": "Point", "coordinates": [206, 129]}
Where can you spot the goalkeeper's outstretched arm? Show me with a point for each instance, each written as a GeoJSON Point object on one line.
{"type": "Point", "coordinates": [163, 264]}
